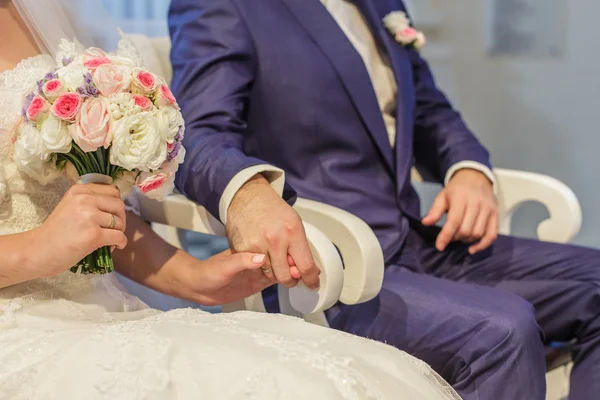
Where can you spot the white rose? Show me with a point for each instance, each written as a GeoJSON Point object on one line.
{"type": "Point", "coordinates": [170, 168]}
{"type": "Point", "coordinates": [125, 181]}
{"type": "Point", "coordinates": [169, 120]}
{"type": "Point", "coordinates": [137, 143]}
{"type": "Point", "coordinates": [73, 76]}
{"type": "Point", "coordinates": [29, 144]}
{"type": "Point", "coordinates": [55, 135]}
{"type": "Point", "coordinates": [71, 173]}
{"type": "Point", "coordinates": [41, 171]}
{"type": "Point", "coordinates": [32, 157]}
{"type": "Point", "coordinates": [122, 105]}
{"type": "Point", "coordinates": [122, 61]}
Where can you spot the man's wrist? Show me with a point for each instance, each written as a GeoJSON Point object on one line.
{"type": "Point", "coordinates": [473, 174]}
{"type": "Point", "coordinates": [257, 182]}
{"type": "Point", "coordinates": [256, 186]}
{"type": "Point", "coordinates": [258, 175]}
{"type": "Point", "coordinates": [470, 165]}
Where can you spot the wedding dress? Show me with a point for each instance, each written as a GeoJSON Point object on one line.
{"type": "Point", "coordinates": [84, 337]}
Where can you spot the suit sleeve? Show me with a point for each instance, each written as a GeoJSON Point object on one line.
{"type": "Point", "coordinates": [213, 68]}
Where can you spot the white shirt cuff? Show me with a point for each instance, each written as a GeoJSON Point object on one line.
{"type": "Point", "coordinates": [275, 176]}
{"type": "Point", "coordinates": [470, 165]}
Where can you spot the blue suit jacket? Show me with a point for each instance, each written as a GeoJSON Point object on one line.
{"type": "Point", "coordinates": [277, 81]}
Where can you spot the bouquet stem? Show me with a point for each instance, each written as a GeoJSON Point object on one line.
{"type": "Point", "coordinates": [99, 262]}
{"type": "Point", "coordinates": [93, 168]}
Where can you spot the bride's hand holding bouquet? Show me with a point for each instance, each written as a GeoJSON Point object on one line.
{"type": "Point", "coordinates": [108, 119]}
{"type": "Point", "coordinates": [63, 239]}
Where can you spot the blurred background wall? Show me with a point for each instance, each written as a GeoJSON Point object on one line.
{"type": "Point", "coordinates": [140, 16]}
{"type": "Point", "coordinates": [536, 114]}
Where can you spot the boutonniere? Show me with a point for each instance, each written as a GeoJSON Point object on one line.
{"type": "Point", "coordinates": [398, 24]}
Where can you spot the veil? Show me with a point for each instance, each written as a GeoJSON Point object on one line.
{"type": "Point", "coordinates": [84, 21]}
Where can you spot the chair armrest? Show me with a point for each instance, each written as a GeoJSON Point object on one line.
{"type": "Point", "coordinates": [177, 212]}
{"type": "Point", "coordinates": [517, 187]}
{"type": "Point", "coordinates": [357, 244]}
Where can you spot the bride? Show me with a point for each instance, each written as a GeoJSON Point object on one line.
{"type": "Point", "coordinates": [68, 336]}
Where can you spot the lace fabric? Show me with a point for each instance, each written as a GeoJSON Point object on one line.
{"type": "Point", "coordinates": [24, 203]}
{"type": "Point", "coordinates": [85, 337]}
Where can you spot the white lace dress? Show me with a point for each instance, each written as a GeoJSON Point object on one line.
{"type": "Point", "coordinates": [84, 337]}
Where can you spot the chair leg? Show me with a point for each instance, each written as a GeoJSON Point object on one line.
{"type": "Point", "coordinates": [557, 382]}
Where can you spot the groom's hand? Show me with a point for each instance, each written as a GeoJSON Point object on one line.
{"type": "Point", "coordinates": [260, 221]}
{"type": "Point", "coordinates": [472, 211]}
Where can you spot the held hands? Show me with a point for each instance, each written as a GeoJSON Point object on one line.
{"type": "Point", "coordinates": [225, 278]}
{"type": "Point", "coordinates": [260, 221]}
{"type": "Point", "coordinates": [472, 211]}
{"type": "Point", "coordinates": [80, 224]}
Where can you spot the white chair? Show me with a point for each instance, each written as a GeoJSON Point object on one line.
{"type": "Point", "coordinates": [357, 280]}
{"type": "Point", "coordinates": [327, 226]}
{"type": "Point", "coordinates": [361, 276]}
{"type": "Point", "coordinates": [564, 222]}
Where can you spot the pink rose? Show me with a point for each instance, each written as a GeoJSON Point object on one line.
{"type": "Point", "coordinates": [143, 102]}
{"type": "Point", "coordinates": [164, 97]}
{"type": "Point", "coordinates": [152, 182]}
{"type": "Point", "coordinates": [157, 186]}
{"type": "Point", "coordinates": [91, 129]}
{"type": "Point", "coordinates": [93, 52]}
{"type": "Point", "coordinates": [67, 106]}
{"type": "Point", "coordinates": [111, 79]}
{"type": "Point", "coordinates": [144, 81]}
{"type": "Point", "coordinates": [406, 36]}
{"type": "Point", "coordinates": [52, 89]}
{"type": "Point", "coordinates": [94, 63]}
{"type": "Point", "coordinates": [37, 108]}
{"type": "Point", "coordinates": [410, 36]}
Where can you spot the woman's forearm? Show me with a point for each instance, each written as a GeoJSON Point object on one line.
{"type": "Point", "coordinates": [151, 261]}
{"type": "Point", "coordinates": [20, 262]}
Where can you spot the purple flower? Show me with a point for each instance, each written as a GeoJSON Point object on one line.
{"type": "Point", "coordinates": [174, 151]}
{"type": "Point", "coordinates": [40, 86]}
{"type": "Point", "coordinates": [88, 89]}
{"type": "Point", "coordinates": [179, 136]}
{"type": "Point", "coordinates": [26, 104]}
{"type": "Point", "coordinates": [67, 61]}
{"type": "Point", "coordinates": [51, 75]}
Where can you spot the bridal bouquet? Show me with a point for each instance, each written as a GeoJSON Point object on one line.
{"type": "Point", "coordinates": [110, 120]}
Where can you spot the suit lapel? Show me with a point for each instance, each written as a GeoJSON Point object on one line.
{"type": "Point", "coordinates": [349, 66]}
{"type": "Point", "coordinates": [374, 12]}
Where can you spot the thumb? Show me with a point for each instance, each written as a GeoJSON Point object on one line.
{"type": "Point", "coordinates": [293, 268]}
{"type": "Point", "coordinates": [240, 262]}
{"type": "Point", "coordinates": [439, 207]}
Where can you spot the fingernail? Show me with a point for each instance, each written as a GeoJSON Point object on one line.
{"type": "Point", "coordinates": [258, 259]}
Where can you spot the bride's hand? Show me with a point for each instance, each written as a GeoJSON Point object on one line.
{"type": "Point", "coordinates": [226, 277]}
{"type": "Point", "coordinates": [78, 226]}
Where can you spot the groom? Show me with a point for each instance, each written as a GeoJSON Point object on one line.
{"type": "Point", "coordinates": [321, 90]}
